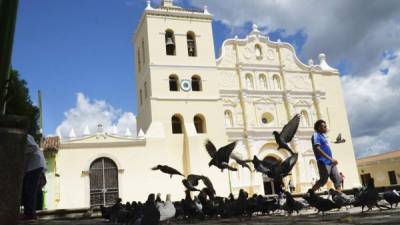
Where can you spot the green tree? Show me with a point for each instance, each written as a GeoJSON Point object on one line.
{"type": "Point", "coordinates": [19, 102]}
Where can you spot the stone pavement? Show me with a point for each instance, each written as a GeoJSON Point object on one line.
{"type": "Point", "coordinates": [351, 216]}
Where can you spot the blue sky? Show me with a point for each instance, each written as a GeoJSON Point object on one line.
{"type": "Point", "coordinates": [66, 47]}
{"type": "Point", "coordinates": [84, 46]}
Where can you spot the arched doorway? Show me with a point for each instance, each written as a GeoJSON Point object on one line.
{"type": "Point", "coordinates": [270, 187]}
{"type": "Point", "coordinates": [103, 175]}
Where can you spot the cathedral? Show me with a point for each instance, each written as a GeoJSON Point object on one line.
{"type": "Point", "coordinates": [186, 95]}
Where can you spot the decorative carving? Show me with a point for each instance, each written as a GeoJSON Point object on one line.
{"type": "Point", "coordinates": [227, 80]}
{"type": "Point", "coordinates": [264, 100]}
{"type": "Point", "coordinates": [299, 82]}
{"type": "Point", "coordinates": [247, 53]}
{"type": "Point", "coordinates": [270, 54]}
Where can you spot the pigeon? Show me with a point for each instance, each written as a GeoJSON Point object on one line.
{"type": "Point", "coordinates": [321, 204]}
{"type": "Point", "coordinates": [368, 197]}
{"type": "Point", "coordinates": [151, 215]}
{"type": "Point", "coordinates": [283, 169]}
{"type": "Point", "coordinates": [210, 188]}
{"type": "Point", "coordinates": [339, 139]}
{"type": "Point", "coordinates": [220, 158]}
{"type": "Point", "coordinates": [240, 161]}
{"type": "Point", "coordinates": [339, 198]}
{"type": "Point", "coordinates": [392, 197]}
{"type": "Point", "coordinates": [263, 166]}
{"type": "Point", "coordinates": [190, 208]}
{"type": "Point", "coordinates": [189, 185]}
{"type": "Point", "coordinates": [291, 205]}
{"type": "Point", "coordinates": [287, 133]}
{"type": "Point", "coordinates": [168, 170]}
{"type": "Point", "coordinates": [273, 168]}
{"type": "Point", "coordinates": [193, 180]}
{"type": "Point", "coordinates": [167, 209]}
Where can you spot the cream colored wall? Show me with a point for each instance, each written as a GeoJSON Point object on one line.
{"type": "Point", "coordinates": [379, 170]}
{"type": "Point", "coordinates": [134, 161]}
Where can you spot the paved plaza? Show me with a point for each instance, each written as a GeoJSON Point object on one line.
{"type": "Point", "coordinates": [351, 216]}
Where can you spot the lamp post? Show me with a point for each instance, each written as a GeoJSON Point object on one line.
{"type": "Point", "coordinates": [13, 129]}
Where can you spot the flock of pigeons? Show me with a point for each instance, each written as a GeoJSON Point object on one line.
{"type": "Point", "coordinates": [206, 204]}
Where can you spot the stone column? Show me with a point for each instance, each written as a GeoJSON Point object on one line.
{"type": "Point", "coordinates": [317, 102]}
{"type": "Point", "coordinates": [13, 131]}
{"type": "Point", "coordinates": [295, 147]}
{"type": "Point", "coordinates": [288, 103]}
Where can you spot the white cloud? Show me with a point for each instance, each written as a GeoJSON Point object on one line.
{"type": "Point", "coordinates": [357, 30]}
{"type": "Point", "coordinates": [91, 113]}
{"type": "Point", "coordinates": [373, 106]}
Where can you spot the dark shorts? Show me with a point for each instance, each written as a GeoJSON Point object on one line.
{"type": "Point", "coordinates": [329, 171]}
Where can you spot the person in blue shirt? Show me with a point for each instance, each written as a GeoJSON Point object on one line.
{"type": "Point", "coordinates": [327, 165]}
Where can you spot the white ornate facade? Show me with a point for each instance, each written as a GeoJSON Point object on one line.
{"type": "Point", "coordinates": [185, 96]}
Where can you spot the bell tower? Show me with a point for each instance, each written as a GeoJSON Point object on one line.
{"type": "Point", "coordinates": [175, 63]}
{"type": "Point", "coordinates": [177, 83]}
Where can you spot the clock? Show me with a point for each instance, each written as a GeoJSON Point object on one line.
{"type": "Point", "coordinates": [186, 85]}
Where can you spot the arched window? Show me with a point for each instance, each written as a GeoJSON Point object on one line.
{"type": "Point", "coordinates": [249, 82]}
{"type": "Point", "coordinates": [228, 118]}
{"type": "Point", "coordinates": [103, 179]}
{"type": "Point", "coordinates": [199, 123]}
{"type": "Point", "coordinates": [145, 90]}
{"type": "Point", "coordinates": [177, 122]}
{"type": "Point", "coordinates": [263, 82]}
{"type": "Point", "coordinates": [139, 63]}
{"type": "Point", "coordinates": [141, 97]}
{"type": "Point", "coordinates": [170, 42]}
{"type": "Point", "coordinates": [266, 118]}
{"type": "Point", "coordinates": [258, 51]}
{"type": "Point", "coordinates": [196, 83]}
{"type": "Point", "coordinates": [277, 82]}
{"type": "Point", "coordinates": [173, 83]}
{"type": "Point", "coordinates": [143, 52]}
{"type": "Point", "coordinates": [191, 43]}
{"type": "Point", "coordinates": [305, 122]}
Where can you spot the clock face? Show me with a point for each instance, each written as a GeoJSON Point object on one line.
{"type": "Point", "coordinates": [186, 85]}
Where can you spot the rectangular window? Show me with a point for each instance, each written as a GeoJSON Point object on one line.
{"type": "Point", "coordinates": [392, 177]}
{"type": "Point", "coordinates": [141, 97]}
{"type": "Point", "coordinates": [139, 64]}
{"type": "Point", "coordinates": [144, 52]}
{"type": "Point", "coordinates": [145, 90]}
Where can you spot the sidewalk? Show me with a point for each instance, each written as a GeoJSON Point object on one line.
{"type": "Point", "coordinates": [351, 216]}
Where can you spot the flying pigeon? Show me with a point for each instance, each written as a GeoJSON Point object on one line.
{"type": "Point", "coordinates": [287, 133]}
{"type": "Point", "coordinates": [339, 139]}
{"type": "Point", "coordinates": [240, 161]}
{"type": "Point", "coordinates": [208, 184]}
{"type": "Point", "coordinates": [188, 185]}
{"type": "Point", "coordinates": [191, 182]}
{"type": "Point", "coordinates": [263, 166]}
{"type": "Point", "coordinates": [220, 158]}
{"type": "Point", "coordinates": [275, 169]}
{"type": "Point", "coordinates": [168, 170]}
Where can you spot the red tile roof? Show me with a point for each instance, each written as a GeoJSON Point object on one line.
{"type": "Point", "coordinates": [51, 143]}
